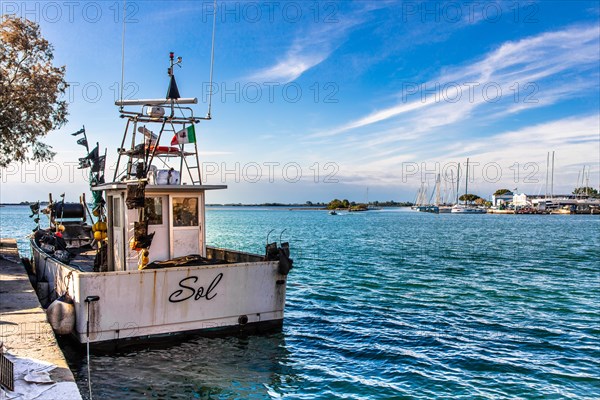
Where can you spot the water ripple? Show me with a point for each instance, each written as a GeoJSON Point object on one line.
{"type": "Point", "coordinates": [392, 304]}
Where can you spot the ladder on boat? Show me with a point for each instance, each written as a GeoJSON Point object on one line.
{"type": "Point", "coordinates": [151, 150]}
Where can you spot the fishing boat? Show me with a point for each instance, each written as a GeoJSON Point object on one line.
{"type": "Point", "coordinates": [465, 208]}
{"type": "Point", "coordinates": [136, 265]}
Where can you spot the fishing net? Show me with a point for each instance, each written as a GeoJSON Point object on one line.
{"type": "Point", "coordinates": [136, 195]}
{"type": "Point", "coordinates": [142, 239]}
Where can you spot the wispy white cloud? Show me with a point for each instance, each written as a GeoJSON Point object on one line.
{"type": "Point", "coordinates": [310, 48]}
{"type": "Point", "coordinates": [520, 154]}
{"type": "Point", "coordinates": [531, 66]}
{"type": "Point", "coordinates": [299, 59]}
{"type": "Point", "coordinates": [545, 70]}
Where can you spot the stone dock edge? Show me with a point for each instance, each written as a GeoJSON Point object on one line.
{"type": "Point", "coordinates": [24, 329]}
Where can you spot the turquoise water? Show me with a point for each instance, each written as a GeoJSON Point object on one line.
{"type": "Point", "coordinates": [392, 304]}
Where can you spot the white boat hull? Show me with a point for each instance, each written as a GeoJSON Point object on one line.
{"type": "Point", "coordinates": [155, 302]}
{"type": "Point", "coordinates": [468, 210]}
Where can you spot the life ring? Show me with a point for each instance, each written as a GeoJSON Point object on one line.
{"type": "Point", "coordinates": [164, 150]}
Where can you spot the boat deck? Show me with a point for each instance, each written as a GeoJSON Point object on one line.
{"type": "Point", "coordinates": [84, 259]}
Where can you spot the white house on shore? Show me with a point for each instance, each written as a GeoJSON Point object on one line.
{"type": "Point", "coordinates": [521, 200]}
{"type": "Point", "coordinates": [505, 198]}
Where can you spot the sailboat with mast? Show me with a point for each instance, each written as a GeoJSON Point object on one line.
{"type": "Point", "coordinates": [465, 208]}
{"type": "Point", "coordinates": [421, 198]}
{"type": "Point", "coordinates": [446, 207]}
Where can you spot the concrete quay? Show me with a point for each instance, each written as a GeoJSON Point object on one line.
{"type": "Point", "coordinates": [27, 336]}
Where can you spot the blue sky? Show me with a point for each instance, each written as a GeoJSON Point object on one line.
{"type": "Point", "coordinates": [327, 99]}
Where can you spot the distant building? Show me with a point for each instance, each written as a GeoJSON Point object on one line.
{"type": "Point", "coordinates": [520, 200]}
{"type": "Point", "coordinates": [544, 202]}
{"type": "Point", "coordinates": [502, 199]}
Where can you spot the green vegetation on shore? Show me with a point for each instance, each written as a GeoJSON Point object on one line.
{"type": "Point", "coordinates": [500, 192]}
{"type": "Point", "coordinates": [351, 205]}
{"type": "Point", "coordinates": [586, 191]}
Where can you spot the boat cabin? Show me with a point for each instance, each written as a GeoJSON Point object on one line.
{"type": "Point", "coordinates": [175, 216]}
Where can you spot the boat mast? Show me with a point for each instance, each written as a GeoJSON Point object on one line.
{"type": "Point", "coordinates": [587, 181]}
{"type": "Point", "coordinates": [467, 182]}
{"type": "Point", "coordinates": [420, 194]}
{"type": "Point", "coordinates": [452, 180]}
{"type": "Point", "coordinates": [457, 182]}
{"type": "Point", "coordinates": [552, 184]}
{"type": "Point", "coordinates": [437, 193]}
{"type": "Point", "coordinates": [547, 170]}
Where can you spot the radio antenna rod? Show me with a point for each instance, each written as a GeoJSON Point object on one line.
{"type": "Point", "coordinates": [123, 52]}
{"type": "Point", "coordinates": [212, 60]}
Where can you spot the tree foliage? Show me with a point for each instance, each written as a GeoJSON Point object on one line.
{"type": "Point", "coordinates": [336, 203]}
{"type": "Point", "coordinates": [468, 197]}
{"type": "Point", "coordinates": [586, 190]}
{"type": "Point", "coordinates": [500, 192]}
{"type": "Point", "coordinates": [30, 91]}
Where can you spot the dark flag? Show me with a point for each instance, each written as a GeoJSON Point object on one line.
{"type": "Point", "coordinates": [82, 141]}
{"type": "Point", "coordinates": [98, 164]}
{"type": "Point", "coordinates": [35, 208]}
{"type": "Point", "coordinates": [94, 154]}
{"type": "Point", "coordinates": [84, 163]}
{"type": "Point", "coordinates": [79, 132]}
{"type": "Point", "coordinates": [91, 159]}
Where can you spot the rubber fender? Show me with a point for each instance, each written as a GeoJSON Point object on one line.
{"type": "Point", "coordinates": [285, 262]}
{"type": "Point", "coordinates": [61, 316]}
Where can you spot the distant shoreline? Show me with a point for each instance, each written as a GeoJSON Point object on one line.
{"type": "Point", "coordinates": [291, 205]}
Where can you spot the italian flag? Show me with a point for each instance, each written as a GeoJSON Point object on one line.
{"type": "Point", "coordinates": [186, 135]}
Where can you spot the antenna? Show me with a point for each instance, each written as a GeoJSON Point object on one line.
{"type": "Point", "coordinates": [123, 53]}
{"type": "Point", "coordinates": [212, 60]}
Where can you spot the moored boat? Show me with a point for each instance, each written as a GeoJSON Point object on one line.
{"type": "Point", "coordinates": [143, 269]}
{"type": "Point", "coordinates": [465, 208]}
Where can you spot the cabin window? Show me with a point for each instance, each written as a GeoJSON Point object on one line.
{"type": "Point", "coordinates": [185, 211]}
{"type": "Point", "coordinates": [154, 210]}
{"type": "Point", "coordinates": [116, 212]}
